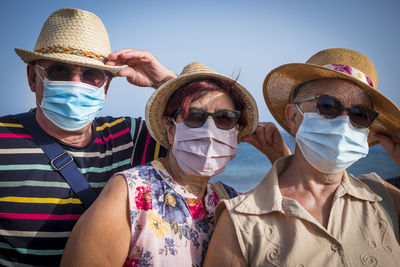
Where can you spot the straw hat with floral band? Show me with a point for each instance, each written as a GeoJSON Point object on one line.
{"type": "Point", "coordinates": [337, 63]}
{"type": "Point", "coordinates": [72, 36]}
{"type": "Point", "coordinates": [157, 103]}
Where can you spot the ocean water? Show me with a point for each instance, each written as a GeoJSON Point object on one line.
{"type": "Point", "coordinates": [250, 166]}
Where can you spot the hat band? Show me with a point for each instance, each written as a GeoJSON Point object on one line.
{"type": "Point", "coordinates": [359, 75]}
{"type": "Point", "coordinates": [71, 51]}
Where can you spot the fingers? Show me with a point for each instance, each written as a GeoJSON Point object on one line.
{"type": "Point", "coordinates": [385, 141]}
{"type": "Point", "coordinates": [130, 56]}
{"type": "Point", "coordinates": [127, 72]}
{"type": "Point", "coordinates": [391, 145]}
{"type": "Point", "coordinates": [272, 133]}
{"type": "Point", "coordinates": [252, 140]}
{"type": "Point", "coordinates": [262, 135]}
{"type": "Point", "coordinates": [269, 133]}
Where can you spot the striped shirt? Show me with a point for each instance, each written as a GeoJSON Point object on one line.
{"type": "Point", "coordinates": [37, 207]}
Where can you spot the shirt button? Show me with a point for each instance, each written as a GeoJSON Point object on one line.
{"type": "Point", "coordinates": [334, 247]}
{"type": "Point", "coordinates": [372, 244]}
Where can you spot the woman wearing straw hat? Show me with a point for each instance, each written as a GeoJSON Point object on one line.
{"type": "Point", "coordinates": [162, 213]}
{"type": "Point", "coordinates": [308, 211]}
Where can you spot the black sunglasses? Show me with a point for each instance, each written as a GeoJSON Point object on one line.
{"type": "Point", "coordinates": [330, 107]}
{"type": "Point", "coordinates": [63, 72]}
{"type": "Point", "coordinates": [224, 119]}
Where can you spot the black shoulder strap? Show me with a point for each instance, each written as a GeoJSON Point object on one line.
{"type": "Point", "coordinates": [387, 204]}
{"type": "Point", "coordinates": [60, 160]}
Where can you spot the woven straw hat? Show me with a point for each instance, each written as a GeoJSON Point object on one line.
{"type": "Point", "coordinates": [157, 103]}
{"type": "Point", "coordinates": [331, 63]}
{"type": "Point", "coordinates": [72, 36]}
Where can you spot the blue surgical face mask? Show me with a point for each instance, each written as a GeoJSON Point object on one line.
{"type": "Point", "coordinates": [331, 145]}
{"type": "Point", "coordinates": [71, 105]}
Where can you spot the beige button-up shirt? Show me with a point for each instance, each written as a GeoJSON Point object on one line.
{"type": "Point", "coordinates": [273, 230]}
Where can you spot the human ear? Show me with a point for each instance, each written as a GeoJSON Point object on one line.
{"type": "Point", "coordinates": [293, 118]}
{"type": "Point", "coordinates": [30, 70]}
{"type": "Point", "coordinates": [107, 85]}
{"type": "Point", "coordinates": [170, 128]}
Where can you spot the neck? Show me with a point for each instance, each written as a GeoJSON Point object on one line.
{"type": "Point", "coordinates": [196, 185]}
{"type": "Point", "coordinates": [300, 172]}
{"type": "Point", "coordinates": [75, 138]}
{"type": "Point", "coordinates": [311, 188]}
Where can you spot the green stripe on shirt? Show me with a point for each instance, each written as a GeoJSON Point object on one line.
{"type": "Point", "coordinates": [49, 168]}
{"type": "Point", "coordinates": [106, 168]}
{"type": "Point", "coordinates": [42, 252]}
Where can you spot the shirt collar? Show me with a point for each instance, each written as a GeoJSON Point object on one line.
{"type": "Point", "coordinates": [266, 197]}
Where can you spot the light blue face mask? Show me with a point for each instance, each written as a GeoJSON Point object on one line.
{"type": "Point", "coordinates": [331, 145]}
{"type": "Point", "coordinates": [71, 105]}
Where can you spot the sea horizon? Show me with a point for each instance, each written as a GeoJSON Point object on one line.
{"type": "Point", "coordinates": [250, 166]}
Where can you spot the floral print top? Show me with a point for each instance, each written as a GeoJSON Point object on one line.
{"type": "Point", "coordinates": [170, 226]}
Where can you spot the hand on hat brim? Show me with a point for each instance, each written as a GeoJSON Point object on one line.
{"type": "Point", "coordinates": [142, 68]}
{"type": "Point", "coordinates": [269, 141]}
{"type": "Point", "coordinates": [391, 144]}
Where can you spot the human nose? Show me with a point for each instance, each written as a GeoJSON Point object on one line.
{"type": "Point", "coordinates": [76, 75]}
{"type": "Point", "coordinates": [345, 111]}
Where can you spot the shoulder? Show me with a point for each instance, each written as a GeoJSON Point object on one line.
{"type": "Point", "coordinates": [115, 188]}
{"type": "Point", "coordinates": [145, 171]}
{"type": "Point", "coordinates": [8, 118]}
{"type": "Point", "coordinates": [143, 175]}
{"type": "Point", "coordinates": [228, 206]}
{"type": "Point", "coordinates": [10, 122]}
{"type": "Point", "coordinates": [109, 122]}
{"type": "Point", "coordinates": [13, 132]}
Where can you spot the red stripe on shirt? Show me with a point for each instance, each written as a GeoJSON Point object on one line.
{"type": "Point", "coordinates": [145, 149]}
{"type": "Point", "coordinates": [111, 136]}
{"type": "Point", "coordinates": [8, 135]}
{"type": "Point", "coordinates": [39, 216]}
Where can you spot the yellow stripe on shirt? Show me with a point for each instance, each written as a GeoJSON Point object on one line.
{"type": "Point", "coordinates": [41, 200]}
{"type": "Point", "coordinates": [15, 125]}
{"type": "Point", "coordinates": [100, 128]}
{"type": "Point", "coordinates": [156, 150]}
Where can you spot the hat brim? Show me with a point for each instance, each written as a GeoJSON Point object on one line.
{"type": "Point", "coordinates": [281, 81]}
{"type": "Point", "coordinates": [157, 103]}
{"type": "Point", "coordinates": [29, 56]}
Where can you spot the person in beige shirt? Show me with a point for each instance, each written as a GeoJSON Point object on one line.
{"type": "Point", "coordinates": [308, 211]}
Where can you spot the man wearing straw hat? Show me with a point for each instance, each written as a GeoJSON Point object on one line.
{"type": "Point", "coordinates": [69, 70]}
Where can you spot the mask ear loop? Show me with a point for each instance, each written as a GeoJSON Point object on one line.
{"type": "Point", "coordinates": [40, 76]}
{"type": "Point", "coordinates": [298, 108]}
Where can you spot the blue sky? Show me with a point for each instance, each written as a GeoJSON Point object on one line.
{"type": "Point", "coordinates": [250, 37]}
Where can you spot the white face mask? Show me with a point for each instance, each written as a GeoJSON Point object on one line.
{"type": "Point", "coordinates": [204, 151]}
{"type": "Point", "coordinates": [331, 145]}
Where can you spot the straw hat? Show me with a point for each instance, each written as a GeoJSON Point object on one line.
{"type": "Point", "coordinates": [331, 63]}
{"type": "Point", "coordinates": [72, 36]}
{"type": "Point", "coordinates": [157, 103]}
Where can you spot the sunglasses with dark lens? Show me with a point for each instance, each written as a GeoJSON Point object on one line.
{"type": "Point", "coordinates": [330, 107]}
{"type": "Point", "coordinates": [63, 72]}
{"type": "Point", "coordinates": [224, 119]}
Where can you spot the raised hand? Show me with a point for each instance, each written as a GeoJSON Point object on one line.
{"type": "Point", "coordinates": [392, 145]}
{"type": "Point", "coordinates": [143, 69]}
{"type": "Point", "coordinates": [269, 141]}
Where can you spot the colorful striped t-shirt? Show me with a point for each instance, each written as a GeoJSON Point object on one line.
{"type": "Point", "coordinates": [37, 207]}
